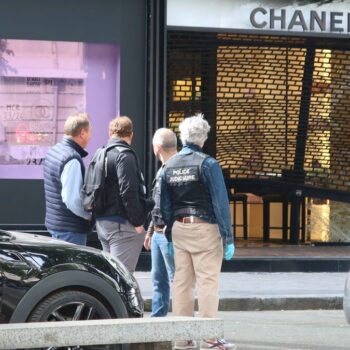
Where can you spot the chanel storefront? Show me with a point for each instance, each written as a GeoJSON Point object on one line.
{"type": "Point", "coordinates": [272, 77]}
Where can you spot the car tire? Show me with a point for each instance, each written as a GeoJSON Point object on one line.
{"type": "Point", "coordinates": [70, 305]}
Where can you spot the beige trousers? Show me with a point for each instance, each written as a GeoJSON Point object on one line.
{"type": "Point", "coordinates": [198, 258]}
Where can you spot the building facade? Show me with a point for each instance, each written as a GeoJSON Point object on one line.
{"type": "Point", "coordinates": [272, 78]}
{"type": "Point", "coordinates": [58, 57]}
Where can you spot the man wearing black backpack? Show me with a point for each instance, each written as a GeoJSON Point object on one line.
{"type": "Point", "coordinates": [120, 224]}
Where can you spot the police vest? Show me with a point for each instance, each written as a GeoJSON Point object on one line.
{"type": "Point", "coordinates": [188, 192]}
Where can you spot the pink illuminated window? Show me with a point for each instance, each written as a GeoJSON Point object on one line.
{"type": "Point", "coordinates": [41, 83]}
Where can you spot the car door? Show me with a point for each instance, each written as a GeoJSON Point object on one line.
{"type": "Point", "coordinates": [1, 293]}
{"type": "Point", "coordinates": [13, 272]}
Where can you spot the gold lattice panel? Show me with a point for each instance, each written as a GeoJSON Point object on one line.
{"type": "Point", "coordinates": [250, 88]}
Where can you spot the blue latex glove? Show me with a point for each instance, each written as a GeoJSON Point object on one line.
{"type": "Point", "coordinates": [171, 249]}
{"type": "Point", "coordinates": [229, 251]}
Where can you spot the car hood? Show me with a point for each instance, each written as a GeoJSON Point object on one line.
{"type": "Point", "coordinates": [22, 238]}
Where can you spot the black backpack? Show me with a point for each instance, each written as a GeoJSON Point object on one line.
{"type": "Point", "coordinates": [92, 192]}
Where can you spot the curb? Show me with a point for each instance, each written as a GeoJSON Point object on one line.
{"type": "Point", "coordinates": [288, 264]}
{"type": "Point", "coordinates": [277, 304]}
{"type": "Point", "coordinates": [274, 304]}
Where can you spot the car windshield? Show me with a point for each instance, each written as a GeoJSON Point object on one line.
{"type": "Point", "coordinates": [6, 236]}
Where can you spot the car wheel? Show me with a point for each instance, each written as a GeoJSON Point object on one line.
{"type": "Point", "coordinates": [70, 305]}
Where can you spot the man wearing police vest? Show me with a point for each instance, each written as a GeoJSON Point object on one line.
{"type": "Point", "coordinates": [195, 208]}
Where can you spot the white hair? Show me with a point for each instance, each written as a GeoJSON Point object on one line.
{"type": "Point", "coordinates": [194, 130]}
{"type": "Point", "coordinates": [165, 138]}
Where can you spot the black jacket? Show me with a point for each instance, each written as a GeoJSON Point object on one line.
{"type": "Point", "coordinates": [125, 191]}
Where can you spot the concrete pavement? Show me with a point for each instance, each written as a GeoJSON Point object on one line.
{"type": "Point", "coordinates": [287, 330]}
{"type": "Point", "coordinates": [248, 291]}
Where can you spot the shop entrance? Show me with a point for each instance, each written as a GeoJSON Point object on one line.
{"type": "Point", "coordinates": [279, 111]}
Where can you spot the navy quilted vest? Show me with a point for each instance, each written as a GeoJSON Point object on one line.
{"type": "Point", "coordinates": [58, 216]}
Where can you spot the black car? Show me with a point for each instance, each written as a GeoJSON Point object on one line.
{"type": "Point", "coordinates": [44, 279]}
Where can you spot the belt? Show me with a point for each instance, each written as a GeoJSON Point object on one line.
{"type": "Point", "coordinates": [159, 229]}
{"type": "Point", "coordinates": [190, 220]}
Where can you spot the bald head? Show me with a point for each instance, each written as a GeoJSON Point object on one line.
{"type": "Point", "coordinates": [165, 138]}
{"type": "Point", "coordinates": [164, 144]}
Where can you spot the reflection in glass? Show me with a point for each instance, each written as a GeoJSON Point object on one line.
{"type": "Point", "coordinates": [41, 84]}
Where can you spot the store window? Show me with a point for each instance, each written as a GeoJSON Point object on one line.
{"type": "Point", "coordinates": [41, 84]}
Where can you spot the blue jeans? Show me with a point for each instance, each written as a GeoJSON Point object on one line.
{"type": "Point", "coordinates": [72, 237]}
{"type": "Point", "coordinates": [163, 269]}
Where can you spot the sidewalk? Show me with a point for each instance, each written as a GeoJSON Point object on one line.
{"type": "Point", "coordinates": [270, 291]}
{"type": "Point", "coordinates": [279, 258]}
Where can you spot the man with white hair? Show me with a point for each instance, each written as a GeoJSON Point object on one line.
{"type": "Point", "coordinates": [195, 209]}
{"type": "Point", "coordinates": [163, 266]}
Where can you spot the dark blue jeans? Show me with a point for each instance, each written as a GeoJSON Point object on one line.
{"type": "Point", "coordinates": [73, 237]}
{"type": "Point", "coordinates": [163, 269]}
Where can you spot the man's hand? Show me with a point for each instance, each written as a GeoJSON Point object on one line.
{"type": "Point", "coordinates": [229, 251]}
{"type": "Point", "coordinates": [147, 242]}
{"type": "Point", "coordinates": [139, 229]}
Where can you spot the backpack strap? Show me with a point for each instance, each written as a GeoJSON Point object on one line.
{"type": "Point", "coordinates": [109, 165]}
